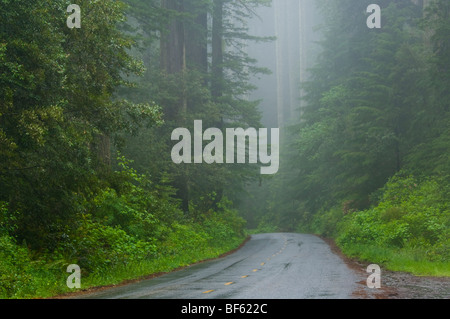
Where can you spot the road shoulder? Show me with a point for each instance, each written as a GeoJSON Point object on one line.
{"type": "Point", "coordinates": [394, 284]}
{"type": "Point", "coordinates": [92, 290]}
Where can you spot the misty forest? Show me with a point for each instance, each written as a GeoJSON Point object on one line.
{"type": "Point", "coordinates": [87, 113]}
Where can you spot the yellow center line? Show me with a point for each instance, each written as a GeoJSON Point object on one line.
{"type": "Point", "coordinates": [208, 291]}
{"type": "Point", "coordinates": [255, 270]}
{"type": "Point", "coordinates": [244, 276]}
{"type": "Point", "coordinates": [229, 283]}
{"type": "Point", "coordinates": [262, 264]}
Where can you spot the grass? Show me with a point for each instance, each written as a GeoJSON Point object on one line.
{"type": "Point", "coordinates": [163, 264]}
{"type": "Point", "coordinates": [47, 281]}
{"type": "Point", "coordinates": [405, 260]}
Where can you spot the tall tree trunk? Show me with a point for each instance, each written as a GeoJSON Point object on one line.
{"type": "Point", "coordinates": [217, 68]}
{"type": "Point", "coordinates": [102, 147]}
{"type": "Point", "coordinates": [217, 50]}
{"type": "Point", "coordinates": [294, 52]}
{"type": "Point", "coordinates": [279, 6]}
{"type": "Point", "coordinates": [302, 55]}
{"type": "Point", "coordinates": [196, 37]}
{"type": "Point", "coordinates": [173, 49]}
{"type": "Point", "coordinates": [173, 61]}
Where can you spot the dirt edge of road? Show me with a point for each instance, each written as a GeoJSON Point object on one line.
{"type": "Point", "coordinates": [394, 284]}
{"type": "Point", "coordinates": [151, 276]}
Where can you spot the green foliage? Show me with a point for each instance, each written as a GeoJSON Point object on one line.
{"type": "Point", "coordinates": [376, 106]}
{"type": "Point", "coordinates": [326, 223]}
{"type": "Point", "coordinates": [14, 267]}
{"type": "Point", "coordinates": [201, 87]}
{"type": "Point", "coordinates": [97, 247]}
{"type": "Point", "coordinates": [223, 224]}
{"type": "Point", "coordinates": [57, 104]}
{"type": "Point", "coordinates": [68, 99]}
{"type": "Point", "coordinates": [117, 232]}
{"type": "Point", "coordinates": [411, 215]}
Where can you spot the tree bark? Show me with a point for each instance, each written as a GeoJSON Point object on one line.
{"type": "Point", "coordinates": [196, 37]}
{"type": "Point", "coordinates": [172, 41]}
{"type": "Point", "coordinates": [279, 64]}
{"type": "Point", "coordinates": [217, 50]}
{"type": "Point", "coordinates": [173, 61]}
{"type": "Point", "coordinates": [101, 146]}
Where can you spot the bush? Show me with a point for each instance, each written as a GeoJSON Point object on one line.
{"type": "Point", "coordinates": [96, 247]}
{"type": "Point", "coordinates": [225, 223]}
{"type": "Point", "coordinates": [326, 223]}
{"type": "Point", "coordinates": [184, 239]}
{"type": "Point", "coordinates": [125, 211]}
{"type": "Point", "coordinates": [15, 261]}
{"type": "Point", "coordinates": [117, 231]}
{"type": "Point", "coordinates": [361, 227]}
{"type": "Point", "coordinates": [411, 215]}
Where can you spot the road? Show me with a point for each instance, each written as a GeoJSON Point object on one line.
{"type": "Point", "coordinates": [268, 266]}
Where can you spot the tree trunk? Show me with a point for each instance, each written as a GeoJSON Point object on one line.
{"type": "Point", "coordinates": [217, 69]}
{"type": "Point", "coordinates": [196, 37]}
{"type": "Point", "coordinates": [172, 41]}
{"type": "Point", "coordinates": [217, 50]}
{"type": "Point", "coordinates": [173, 61]}
{"type": "Point", "coordinates": [101, 146]}
{"type": "Point", "coordinates": [294, 47]}
{"type": "Point", "coordinates": [279, 64]}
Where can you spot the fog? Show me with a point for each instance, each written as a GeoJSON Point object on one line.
{"type": "Point", "coordinates": [139, 136]}
{"type": "Point", "coordinates": [295, 25]}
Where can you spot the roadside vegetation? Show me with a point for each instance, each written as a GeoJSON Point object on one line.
{"type": "Point", "coordinates": [368, 163]}
{"type": "Point", "coordinates": [121, 234]}
{"type": "Point", "coordinates": [86, 115]}
{"type": "Point", "coordinates": [408, 230]}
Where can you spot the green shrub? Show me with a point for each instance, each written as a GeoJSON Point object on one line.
{"type": "Point", "coordinates": [225, 223]}
{"type": "Point", "coordinates": [184, 242]}
{"type": "Point", "coordinates": [7, 220]}
{"type": "Point", "coordinates": [392, 213]}
{"type": "Point", "coordinates": [412, 216]}
{"type": "Point", "coordinates": [125, 228]}
{"type": "Point", "coordinates": [96, 247]}
{"type": "Point", "coordinates": [326, 223]}
{"type": "Point", "coordinates": [125, 211]}
{"type": "Point", "coordinates": [15, 266]}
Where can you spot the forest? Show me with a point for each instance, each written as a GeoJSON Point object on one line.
{"type": "Point", "coordinates": [87, 114]}
{"type": "Point", "coordinates": [366, 161]}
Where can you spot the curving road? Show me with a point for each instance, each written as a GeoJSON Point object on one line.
{"type": "Point", "coordinates": [268, 266]}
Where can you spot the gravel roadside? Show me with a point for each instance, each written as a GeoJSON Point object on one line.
{"type": "Point", "coordinates": [394, 284]}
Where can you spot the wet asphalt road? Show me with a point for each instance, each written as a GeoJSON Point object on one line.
{"type": "Point", "coordinates": [269, 266]}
